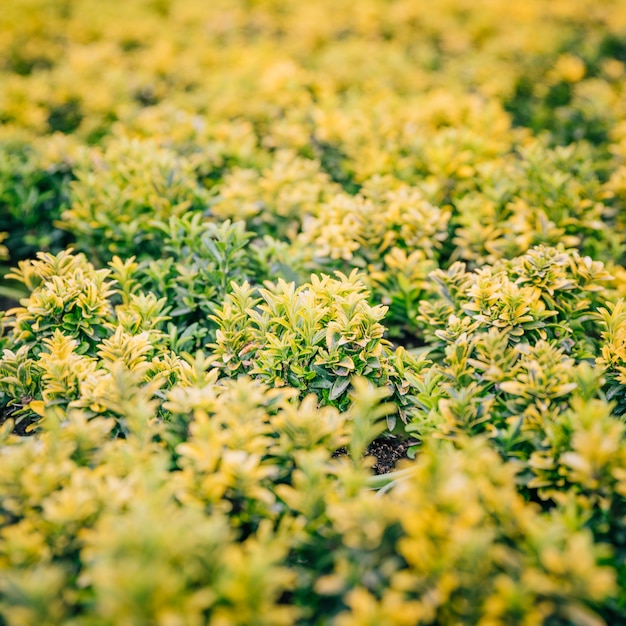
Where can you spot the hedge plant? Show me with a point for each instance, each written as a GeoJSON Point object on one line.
{"type": "Point", "coordinates": [247, 246]}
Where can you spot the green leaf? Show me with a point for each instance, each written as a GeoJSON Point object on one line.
{"type": "Point", "coordinates": [338, 387]}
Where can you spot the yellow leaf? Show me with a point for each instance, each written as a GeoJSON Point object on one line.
{"type": "Point", "coordinates": [38, 407]}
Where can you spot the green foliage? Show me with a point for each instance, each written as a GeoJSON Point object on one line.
{"type": "Point", "coordinates": [462, 521]}
{"type": "Point", "coordinates": [539, 196]}
{"type": "Point", "coordinates": [67, 294]}
{"type": "Point", "coordinates": [536, 196]}
{"type": "Point", "coordinates": [612, 359]}
{"type": "Point", "coordinates": [395, 235]}
{"type": "Point", "coordinates": [120, 191]}
{"type": "Point", "coordinates": [305, 234]}
{"type": "Point", "coordinates": [275, 200]}
{"type": "Point", "coordinates": [314, 338]}
{"type": "Point", "coordinates": [565, 95]}
{"type": "Point", "coordinates": [260, 510]}
{"type": "Point", "coordinates": [33, 189]}
{"type": "Point", "coordinates": [69, 342]}
{"type": "Point", "coordinates": [200, 261]}
{"type": "Point", "coordinates": [546, 294]}
{"type": "Point", "coordinates": [581, 467]}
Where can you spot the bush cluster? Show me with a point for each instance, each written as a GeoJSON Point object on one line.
{"type": "Point", "coordinates": [242, 240]}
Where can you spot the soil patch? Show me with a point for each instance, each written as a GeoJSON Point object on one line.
{"type": "Point", "coordinates": [387, 451]}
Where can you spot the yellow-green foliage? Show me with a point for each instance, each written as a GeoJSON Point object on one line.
{"type": "Point", "coordinates": [316, 337]}
{"type": "Point", "coordinates": [258, 509]}
{"type": "Point", "coordinates": [535, 196]}
{"type": "Point", "coordinates": [117, 194]}
{"type": "Point", "coordinates": [547, 293]}
{"type": "Point", "coordinates": [249, 237]}
{"type": "Point", "coordinates": [67, 294]}
{"type": "Point", "coordinates": [613, 356]}
{"type": "Point", "coordinates": [275, 199]}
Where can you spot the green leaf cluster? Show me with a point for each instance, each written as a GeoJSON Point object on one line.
{"type": "Point", "coordinates": [314, 338]}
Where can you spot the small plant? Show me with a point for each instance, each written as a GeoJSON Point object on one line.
{"type": "Point", "coordinates": [314, 338]}
{"type": "Point", "coordinates": [276, 200]}
{"type": "Point", "coordinates": [118, 194]}
{"type": "Point", "coordinates": [545, 294]}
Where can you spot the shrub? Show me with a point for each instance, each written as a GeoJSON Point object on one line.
{"type": "Point", "coordinates": [305, 234]}
{"type": "Point", "coordinates": [120, 191]}
{"type": "Point", "coordinates": [315, 337]}
{"type": "Point", "coordinates": [33, 189]}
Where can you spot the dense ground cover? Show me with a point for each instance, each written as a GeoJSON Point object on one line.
{"type": "Point", "coordinates": [241, 240]}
